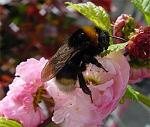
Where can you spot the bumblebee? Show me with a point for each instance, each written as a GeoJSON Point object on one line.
{"type": "Point", "coordinates": [71, 59]}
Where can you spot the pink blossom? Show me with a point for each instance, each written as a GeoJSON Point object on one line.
{"type": "Point", "coordinates": [76, 110]}
{"type": "Point", "coordinates": [137, 74]}
{"type": "Point", "coordinates": [18, 104]}
{"type": "Point", "coordinates": [30, 70]}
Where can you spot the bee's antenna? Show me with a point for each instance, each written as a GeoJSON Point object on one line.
{"type": "Point", "coordinates": [118, 38]}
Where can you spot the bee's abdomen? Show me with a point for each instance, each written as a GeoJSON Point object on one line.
{"type": "Point", "coordinates": [66, 84]}
{"type": "Point", "coordinates": [66, 78]}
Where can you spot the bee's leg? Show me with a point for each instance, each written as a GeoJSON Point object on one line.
{"type": "Point", "coordinates": [89, 59]}
{"type": "Point", "coordinates": [83, 85]}
{"type": "Point", "coordinates": [95, 62]}
{"type": "Point", "coordinates": [82, 66]}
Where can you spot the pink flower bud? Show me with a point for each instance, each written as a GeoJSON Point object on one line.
{"type": "Point", "coordinates": [123, 27]}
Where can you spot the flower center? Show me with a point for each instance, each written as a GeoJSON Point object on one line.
{"type": "Point", "coordinates": [92, 80]}
{"type": "Point", "coordinates": [41, 95]}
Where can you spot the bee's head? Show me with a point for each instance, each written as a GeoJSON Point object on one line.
{"type": "Point", "coordinates": [98, 37]}
{"type": "Point", "coordinates": [87, 36]}
{"type": "Point", "coordinates": [103, 39]}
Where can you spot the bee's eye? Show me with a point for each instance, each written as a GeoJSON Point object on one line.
{"type": "Point", "coordinates": [81, 37]}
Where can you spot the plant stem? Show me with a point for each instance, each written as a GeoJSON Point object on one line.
{"type": "Point", "coordinates": [144, 99]}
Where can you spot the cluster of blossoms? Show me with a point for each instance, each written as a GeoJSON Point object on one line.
{"type": "Point", "coordinates": [24, 102]}
{"type": "Point", "coordinates": [138, 48]}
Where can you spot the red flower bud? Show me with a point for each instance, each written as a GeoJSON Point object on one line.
{"type": "Point", "coordinates": [139, 45]}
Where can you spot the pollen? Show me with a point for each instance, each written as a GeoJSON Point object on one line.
{"type": "Point", "coordinates": [39, 96]}
{"type": "Point", "coordinates": [92, 80]}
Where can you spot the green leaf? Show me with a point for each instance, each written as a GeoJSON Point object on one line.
{"type": "Point", "coordinates": [134, 95]}
{"type": "Point", "coordinates": [144, 7]}
{"type": "Point", "coordinates": [94, 13]}
{"type": "Point", "coordinates": [113, 48]}
{"type": "Point", "coordinates": [147, 18]}
{"type": "Point", "coordinates": [9, 123]}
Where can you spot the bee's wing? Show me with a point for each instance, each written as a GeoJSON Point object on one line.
{"type": "Point", "coordinates": [57, 62]}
